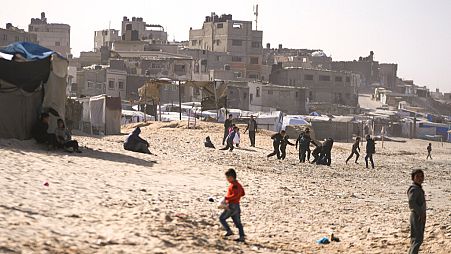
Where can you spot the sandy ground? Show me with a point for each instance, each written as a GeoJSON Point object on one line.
{"type": "Point", "coordinates": [107, 200]}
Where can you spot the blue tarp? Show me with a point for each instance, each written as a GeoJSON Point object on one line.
{"type": "Point", "coordinates": [28, 50]}
{"type": "Point", "coordinates": [315, 114]}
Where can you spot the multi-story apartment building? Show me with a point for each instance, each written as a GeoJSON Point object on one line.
{"type": "Point", "coordinates": [105, 38]}
{"type": "Point", "coordinates": [137, 29]}
{"type": "Point", "coordinates": [13, 34]}
{"type": "Point", "coordinates": [236, 39]}
{"type": "Point", "coordinates": [51, 35]}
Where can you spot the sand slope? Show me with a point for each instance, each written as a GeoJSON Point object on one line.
{"type": "Point", "coordinates": [107, 200]}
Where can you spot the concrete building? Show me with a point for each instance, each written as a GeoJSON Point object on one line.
{"type": "Point", "coordinates": [270, 97]}
{"type": "Point", "coordinates": [138, 30]}
{"type": "Point", "coordinates": [99, 79]}
{"type": "Point", "coordinates": [236, 38]}
{"type": "Point", "coordinates": [51, 35]}
{"type": "Point", "coordinates": [388, 75]}
{"type": "Point", "coordinates": [116, 83]}
{"type": "Point", "coordinates": [324, 86]}
{"type": "Point", "coordinates": [105, 38]}
{"type": "Point", "coordinates": [365, 66]}
{"type": "Point", "coordinates": [13, 34]}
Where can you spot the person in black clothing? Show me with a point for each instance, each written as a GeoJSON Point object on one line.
{"type": "Point", "coordinates": [227, 124]}
{"type": "Point", "coordinates": [208, 143]}
{"type": "Point", "coordinates": [355, 150]}
{"type": "Point", "coordinates": [230, 138]}
{"type": "Point", "coordinates": [283, 146]}
{"type": "Point", "coordinates": [370, 150]}
{"type": "Point", "coordinates": [326, 153]}
{"type": "Point", "coordinates": [317, 151]}
{"type": "Point", "coordinates": [135, 143]}
{"type": "Point", "coordinates": [417, 206]}
{"type": "Point", "coordinates": [39, 132]}
{"type": "Point", "coordinates": [304, 145]}
{"type": "Point", "coordinates": [277, 139]}
{"type": "Point", "coordinates": [252, 128]}
{"type": "Point", "coordinates": [429, 151]}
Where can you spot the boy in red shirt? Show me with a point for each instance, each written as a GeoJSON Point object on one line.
{"type": "Point", "coordinates": [234, 194]}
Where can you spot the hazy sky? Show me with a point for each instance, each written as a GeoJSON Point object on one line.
{"type": "Point", "coordinates": [415, 34]}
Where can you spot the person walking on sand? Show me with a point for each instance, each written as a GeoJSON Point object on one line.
{"type": "Point", "coordinates": [417, 205]}
{"type": "Point", "coordinates": [304, 145]}
{"type": "Point", "coordinates": [370, 150]}
{"type": "Point", "coordinates": [234, 193]}
{"type": "Point", "coordinates": [283, 146]}
{"type": "Point", "coordinates": [229, 140]}
{"type": "Point", "coordinates": [429, 151]}
{"type": "Point", "coordinates": [276, 140]}
{"type": "Point", "coordinates": [252, 128]}
{"type": "Point", "coordinates": [227, 124]}
{"type": "Point", "coordinates": [355, 150]}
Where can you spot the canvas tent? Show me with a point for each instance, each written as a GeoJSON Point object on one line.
{"type": "Point", "coordinates": [102, 114]}
{"type": "Point", "coordinates": [32, 80]}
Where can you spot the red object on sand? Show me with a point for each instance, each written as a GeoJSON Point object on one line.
{"type": "Point", "coordinates": [46, 183]}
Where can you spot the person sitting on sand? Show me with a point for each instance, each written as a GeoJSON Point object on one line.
{"type": "Point", "coordinates": [355, 150]}
{"type": "Point", "coordinates": [135, 143]}
{"type": "Point", "coordinates": [64, 139]}
{"type": "Point", "coordinates": [40, 134]}
{"type": "Point", "coordinates": [208, 143]}
{"type": "Point", "coordinates": [229, 140]}
{"type": "Point", "coordinates": [232, 198]}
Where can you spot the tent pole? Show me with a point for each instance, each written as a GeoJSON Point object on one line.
{"type": "Point", "coordinates": [159, 106]}
{"type": "Point", "coordinates": [180, 101]}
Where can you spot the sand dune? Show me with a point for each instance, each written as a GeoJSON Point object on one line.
{"type": "Point", "coordinates": [107, 200]}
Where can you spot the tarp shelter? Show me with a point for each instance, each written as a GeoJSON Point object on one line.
{"type": "Point", "coordinates": [32, 81]}
{"type": "Point", "coordinates": [105, 114]}
{"type": "Point", "coordinates": [338, 128]}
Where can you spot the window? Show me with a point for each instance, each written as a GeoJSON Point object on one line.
{"type": "Point", "coordinates": [193, 42]}
{"type": "Point", "coordinates": [179, 68]}
{"type": "Point", "coordinates": [220, 25]}
{"type": "Point", "coordinates": [236, 59]}
{"type": "Point", "coordinates": [251, 97]}
{"type": "Point", "coordinates": [308, 77]}
{"type": "Point", "coordinates": [196, 91]}
{"type": "Point", "coordinates": [297, 94]}
{"type": "Point", "coordinates": [258, 92]}
{"type": "Point", "coordinates": [244, 95]}
{"type": "Point", "coordinates": [253, 76]}
{"type": "Point", "coordinates": [338, 79]}
{"type": "Point", "coordinates": [237, 43]}
{"type": "Point", "coordinates": [237, 25]}
{"type": "Point", "coordinates": [237, 74]}
{"type": "Point", "coordinates": [90, 84]}
{"type": "Point", "coordinates": [57, 43]}
{"type": "Point", "coordinates": [270, 92]}
{"type": "Point", "coordinates": [111, 84]}
{"type": "Point", "coordinates": [256, 44]}
{"type": "Point", "coordinates": [121, 85]}
{"type": "Point", "coordinates": [218, 58]}
{"type": "Point", "coordinates": [254, 60]}
{"type": "Point", "coordinates": [218, 42]}
{"type": "Point", "coordinates": [310, 96]}
{"type": "Point", "coordinates": [324, 78]}
{"type": "Point", "coordinates": [348, 79]}
{"type": "Point", "coordinates": [99, 86]}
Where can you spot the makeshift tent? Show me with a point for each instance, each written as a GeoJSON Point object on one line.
{"type": "Point", "coordinates": [338, 128]}
{"type": "Point", "coordinates": [105, 114]}
{"type": "Point", "coordinates": [32, 80]}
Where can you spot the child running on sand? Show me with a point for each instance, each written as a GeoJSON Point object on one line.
{"type": "Point", "coordinates": [429, 151]}
{"type": "Point", "coordinates": [234, 194]}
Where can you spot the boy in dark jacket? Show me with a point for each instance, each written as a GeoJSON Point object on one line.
{"type": "Point", "coordinates": [277, 139]}
{"type": "Point", "coordinates": [229, 140]}
{"type": "Point", "coordinates": [370, 150]}
{"type": "Point", "coordinates": [304, 145]}
{"type": "Point", "coordinates": [227, 124]}
{"type": "Point", "coordinates": [355, 150]}
{"type": "Point", "coordinates": [317, 151]}
{"type": "Point", "coordinates": [283, 146]}
{"type": "Point", "coordinates": [429, 151]}
{"type": "Point", "coordinates": [417, 205]}
{"type": "Point", "coordinates": [252, 128]}
{"type": "Point", "coordinates": [232, 198]}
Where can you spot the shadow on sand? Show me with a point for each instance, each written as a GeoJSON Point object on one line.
{"type": "Point", "coordinates": [30, 146]}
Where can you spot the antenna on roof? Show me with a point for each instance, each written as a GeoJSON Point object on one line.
{"type": "Point", "coordinates": [256, 16]}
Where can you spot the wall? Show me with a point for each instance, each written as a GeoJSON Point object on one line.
{"type": "Point", "coordinates": [8, 36]}
{"type": "Point", "coordinates": [116, 83]}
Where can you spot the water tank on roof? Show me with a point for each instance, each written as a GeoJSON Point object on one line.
{"type": "Point", "coordinates": [319, 53]}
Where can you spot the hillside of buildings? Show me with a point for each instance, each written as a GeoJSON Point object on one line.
{"type": "Point", "coordinates": [107, 200]}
